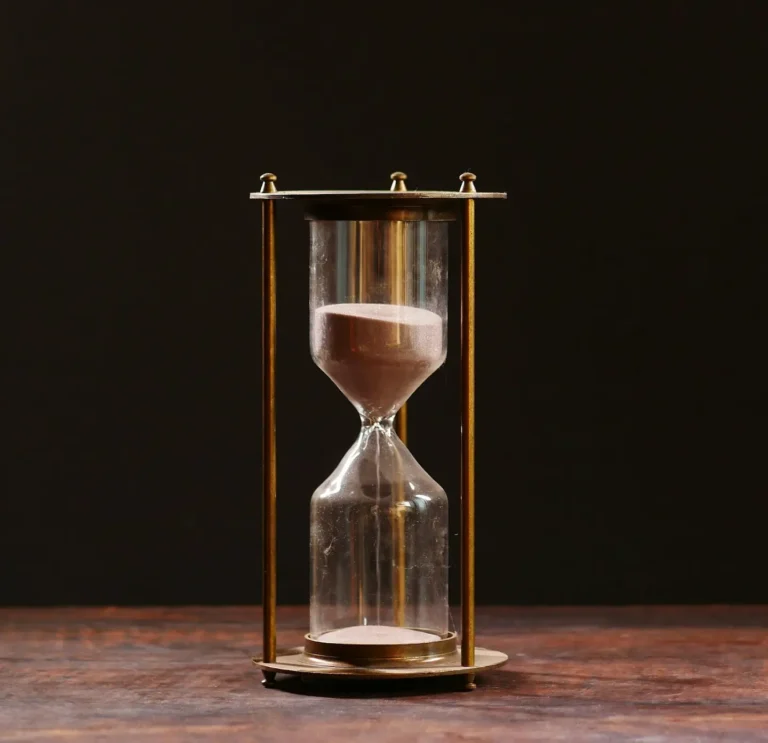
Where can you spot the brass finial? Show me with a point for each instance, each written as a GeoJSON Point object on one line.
{"type": "Point", "coordinates": [268, 183]}
{"type": "Point", "coordinates": [398, 181]}
{"type": "Point", "coordinates": [467, 183]}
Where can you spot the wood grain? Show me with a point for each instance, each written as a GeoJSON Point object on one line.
{"type": "Point", "coordinates": [652, 674]}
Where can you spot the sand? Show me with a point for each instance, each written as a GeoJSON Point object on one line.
{"type": "Point", "coordinates": [377, 634]}
{"type": "Point", "coordinates": [377, 354]}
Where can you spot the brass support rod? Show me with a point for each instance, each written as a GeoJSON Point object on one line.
{"type": "Point", "coordinates": [401, 423]}
{"type": "Point", "coordinates": [401, 426]}
{"type": "Point", "coordinates": [399, 280]}
{"type": "Point", "coordinates": [398, 544]}
{"type": "Point", "coordinates": [269, 444]}
{"type": "Point", "coordinates": [398, 531]}
{"type": "Point", "coordinates": [468, 434]}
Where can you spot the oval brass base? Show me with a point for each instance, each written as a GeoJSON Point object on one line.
{"type": "Point", "coordinates": [296, 662]}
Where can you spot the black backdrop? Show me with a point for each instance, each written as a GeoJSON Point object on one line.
{"type": "Point", "coordinates": [621, 314]}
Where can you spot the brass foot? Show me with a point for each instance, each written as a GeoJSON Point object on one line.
{"type": "Point", "coordinates": [469, 682]}
{"type": "Point", "coordinates": [269, 678]}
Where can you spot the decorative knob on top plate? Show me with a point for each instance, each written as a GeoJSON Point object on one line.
{"type": "Point", "coordinates": [398, 181]}
{"type": "Point", "coordinates": [467, 183]}
{"type": "Point", "coordinates": [268, 183]}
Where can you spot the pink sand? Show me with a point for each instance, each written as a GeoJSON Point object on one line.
{"type": "Point", "coordinates": [377, 354]}
{"type": "Point", "coordinates": [377, 634]}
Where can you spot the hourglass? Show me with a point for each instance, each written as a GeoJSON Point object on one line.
{"type": "Point", "coordinates": [379, 523]}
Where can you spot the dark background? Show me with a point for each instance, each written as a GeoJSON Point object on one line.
{"type": "Point", "coordinates": [621, 359]}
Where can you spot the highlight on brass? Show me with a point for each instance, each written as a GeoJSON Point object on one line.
{"type": "Point", "coordinates": [378, 299]}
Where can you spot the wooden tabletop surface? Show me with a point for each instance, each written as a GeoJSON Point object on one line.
{"type": "Point", "coordinates": [172, 674]}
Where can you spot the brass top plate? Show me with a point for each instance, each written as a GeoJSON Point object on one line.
{"type": "Point", "coordinates": [413, 196]}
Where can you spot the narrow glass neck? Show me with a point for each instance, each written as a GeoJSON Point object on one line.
{"type": "Point", "coordinates": [383, 423]}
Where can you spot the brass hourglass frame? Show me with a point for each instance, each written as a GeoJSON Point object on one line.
{"type": "Point", "coordinates": [392, 661]}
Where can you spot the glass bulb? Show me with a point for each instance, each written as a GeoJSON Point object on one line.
{"type": "Point", "coordinates": [379, 523]}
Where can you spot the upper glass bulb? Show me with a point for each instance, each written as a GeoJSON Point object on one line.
{"type": "Point", "coordinates": [378, 306]}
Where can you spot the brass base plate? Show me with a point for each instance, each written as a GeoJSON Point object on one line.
{"type": "Point", "coordinates": [295, 662]}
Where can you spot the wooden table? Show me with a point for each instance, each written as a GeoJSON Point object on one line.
{"type": "Point", "coordinates": [650, 674]}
